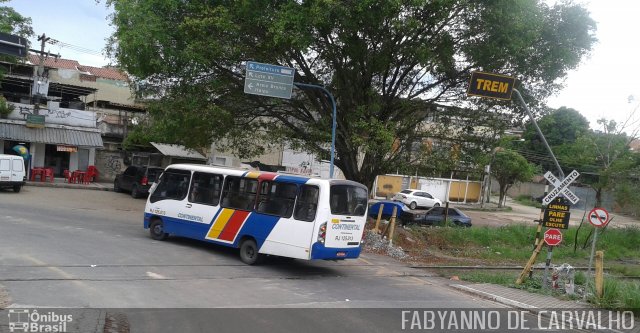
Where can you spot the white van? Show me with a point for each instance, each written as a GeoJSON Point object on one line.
{"type": "Point", "coordinates": [12, 173]}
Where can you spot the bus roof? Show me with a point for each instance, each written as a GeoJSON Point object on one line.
{"type": "Point", "coordinates": [262, 175]}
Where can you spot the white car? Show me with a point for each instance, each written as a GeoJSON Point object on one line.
{"type": "Point", "coordinates": [417, 198]}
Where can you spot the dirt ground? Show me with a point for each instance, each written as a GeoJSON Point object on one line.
{"type": "Point", "coordinates": [421, 253]}
{"type": "Point", "coordinates": [526, 215]}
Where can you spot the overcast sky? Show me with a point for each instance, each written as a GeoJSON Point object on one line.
{"type": "Point", "coordinates": [607, 84]}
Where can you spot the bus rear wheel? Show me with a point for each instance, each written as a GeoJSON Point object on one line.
{"type": "Point", "coordinates": [249, 252]}
{"type": "Point", "coordinates": [156, 230]}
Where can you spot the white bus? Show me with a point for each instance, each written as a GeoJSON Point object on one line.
{"type": "Point", "coordinates": [262, 213]}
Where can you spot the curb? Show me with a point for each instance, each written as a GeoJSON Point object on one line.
{"type": "Point", "coordinates": [524, 306]}
{"type": "Point", "coordinates": [65, 185]}
{"type": "Point", "coordinates": [493, 297]}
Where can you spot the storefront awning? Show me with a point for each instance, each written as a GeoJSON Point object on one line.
{"type": "Point", "coordinates": [51, 135]}
{"type": "Point", "coordinates": [178, 151]}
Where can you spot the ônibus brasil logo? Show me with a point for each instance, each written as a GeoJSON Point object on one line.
{"type": "Point", "coordinates": [25, 320]}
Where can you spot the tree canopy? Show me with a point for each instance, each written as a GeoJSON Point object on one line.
{"type": "Point", "coordinates": [509, 168]}
{"type": "Point", "coordinates": [387, 62]}
{"type": "Point", "coordinates": [11, 22]}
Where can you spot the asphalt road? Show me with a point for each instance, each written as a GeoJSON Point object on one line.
{"type": "Point", "coordinates": [68, 248]}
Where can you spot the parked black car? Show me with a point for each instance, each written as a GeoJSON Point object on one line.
{"type": "Point", "coordinates": [435, 216]}
{"type": "Point", "coordinates": [404, 214]}
{"type": "Point", "coordinates": [137, 180]}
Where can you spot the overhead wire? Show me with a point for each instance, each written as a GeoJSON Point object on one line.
{"type": "Point", "coordinates": [76, 48]}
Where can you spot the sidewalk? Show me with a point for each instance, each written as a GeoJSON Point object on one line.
{"type": "Point", "coordinates": [517, 298]}
{"type": "Point", "coordinates": [60, 182]}
{"type": "Point", "coordinates": [560, 313]}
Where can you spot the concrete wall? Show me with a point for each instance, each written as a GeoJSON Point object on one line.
{"type": "Point", "coordinates": [109, 162]}
{"type": "Point", "coordinates": [108, 90]}
{"type": "Point", "coordinates": [444, 189]}
{"type": "Point", "coordinates": [586, 194]}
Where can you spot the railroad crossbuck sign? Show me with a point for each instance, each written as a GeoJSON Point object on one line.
{"type": "Point", "coordinates": [599, 217]}
{"type": "Point", "coordinates": [552, 237]}
{"type": "Point", "coordinates": [491, 85]}
{"type": "Point", "coordinates": [561, 187]}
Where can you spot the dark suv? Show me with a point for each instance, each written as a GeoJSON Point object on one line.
{"type": "Point", "coordinates": [137, 180]}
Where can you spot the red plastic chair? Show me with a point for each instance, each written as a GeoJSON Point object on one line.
{"type": "Point", "coordinates": [92, 173]}
{"type": "Point", "coordinates": [48, 172]}
{"type": "Point", "coordinates": [67, 175]}
{"type": "Point", "coordinates": [37, 172]}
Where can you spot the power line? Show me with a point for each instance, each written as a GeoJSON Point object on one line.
{"type": "Point", "coordinates": [74, 47]}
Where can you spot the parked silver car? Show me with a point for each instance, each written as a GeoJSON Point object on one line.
{"type": "Point", "coordinates": [417, 198]}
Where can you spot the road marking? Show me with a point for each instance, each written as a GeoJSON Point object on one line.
{"type": "Point", "coordinates": [365, 261]}
{"type": "Point", "coordinates": [155, 276]}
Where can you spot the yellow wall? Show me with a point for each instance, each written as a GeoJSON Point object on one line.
{"type": "Point", "coordinates": [457, 191]}
{"type": "Point", "coordinates": [388, 186]}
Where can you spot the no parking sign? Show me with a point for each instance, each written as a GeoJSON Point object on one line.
{"type": "Point", "coordinates": [599, 217]}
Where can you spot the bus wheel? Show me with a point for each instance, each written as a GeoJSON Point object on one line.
{"type": "Point", "coordinates": [249, 252]}
{"type": "Point", "coordinates": [17, 188]}
{"type": "Point", "coordinates": [156, 230]}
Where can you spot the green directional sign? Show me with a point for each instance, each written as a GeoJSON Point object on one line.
{"type": "Point", "coordinates": [268, 80]}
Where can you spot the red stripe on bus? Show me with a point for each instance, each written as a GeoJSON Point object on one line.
{"type": "Point", "coordinates": [267, 176]}
{"type": "Point", "coordinates": [233, 226]}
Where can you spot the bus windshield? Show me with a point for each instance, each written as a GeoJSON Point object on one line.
{"type": "Point", "coordinates": [348, 200]}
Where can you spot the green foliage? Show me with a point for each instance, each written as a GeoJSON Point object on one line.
{"type": "Point", "coordinates": [387, 62]}
{"type": "Point", "coordinates": [12, 22]}
{"type": "Point", "coordinates": [5, 108]}
{"type": "Point", "coordinates": [509, 168]}
{"type": "Point", "coordinates": [560, 127]}
{"type": "Point", "coordinates": [514, 243]}
{"type": "Point", "coordinates": [618, 294]}
{"type": "Point", "coordinates": [526, 200]}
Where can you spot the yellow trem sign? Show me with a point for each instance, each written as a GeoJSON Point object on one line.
{"type": "Point", "coordinates": [491, 85]}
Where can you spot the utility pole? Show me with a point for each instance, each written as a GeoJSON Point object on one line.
{"type": "Point", "coordinates": [39, 77]}
{"type": "Point", "coordinates": [43, 39]}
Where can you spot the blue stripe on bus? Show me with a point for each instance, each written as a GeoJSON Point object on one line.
{"type": "Point", "coordinates": [258, 226]}
{"type": "Point", "coordinates": [293, 179]}
{"type": "Point", "coordinates": [319, 251]}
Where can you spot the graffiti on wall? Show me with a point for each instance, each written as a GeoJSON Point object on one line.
{"type": "Point", "coordinates": [59, 113]}
{"type": "Point", "coordinates": [113, 163]}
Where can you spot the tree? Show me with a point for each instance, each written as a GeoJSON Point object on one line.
{"type": "Point", "coordinates": [12, 22]}
{"type": "Point", "coordinates": [509, 168]}
{"type": "Point", "coordinates": [387, 62]}
{"type": "Point", "coordinates": [559, 126]}
{"type": "Point", "coordinates": [603, 158]}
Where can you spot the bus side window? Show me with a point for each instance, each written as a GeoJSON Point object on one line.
{"type": "Point", "coordinates": [173, 185]}
{"type": "Point", "coordinates": [307, 203]}
{"type": "Point", "coordinates": [206, 188]}
{"type": "Point", "coordinates": [239, 193]}
{"type": "Point", "coordinates": [277, 198]}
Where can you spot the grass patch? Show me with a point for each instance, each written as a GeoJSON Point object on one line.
{"type": "Point", "coordinates": [526, 200]}
{"type": "Point", "coordinates": [513, 244]}
{"type": "Point", "coordinates": [618, 295]}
